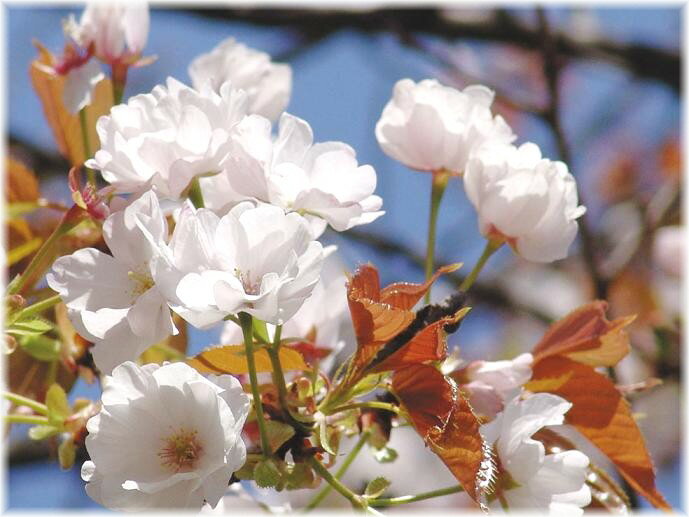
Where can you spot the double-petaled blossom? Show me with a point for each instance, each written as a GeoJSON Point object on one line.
{"type": "Point", "coordinates": [528, 478]}
{"type": "Point", "coordinates": [117, 32]}
{"type": "Point", "coordinates": [322, 181]}
{"type": "Point", "coordinates": [166, 437]}
{"type": "Point", "coordinates": [255, 259]}
{"type": "Point", "coordinates": [112, 300]}
{"type": "Point", "coordinates": [166, 138]}
{"type": "Point", "coordinates": [267, 84]}
{"type": "Point", "coordinates": [668, 249]}
{"type": "Point", "coordinates": [524, 199]}
{"type": "Point", "coordinates": [323, 320]}
{"type": "Point", "coordinates": [490, 384]}
{"type": "Point", "coordinates": [432, 127]}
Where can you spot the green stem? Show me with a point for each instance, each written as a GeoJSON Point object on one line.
{"type": "Point", "coordinates": [195, 194]}
{"type": "Point", "coordinates": [20, 282]}
{"type": "Point", "coordinates": [491, 247]}
{"type": "Point", "coordinates": [394, 501]}
{"type": "Point", "coordinates": [25, 419]}
{"type": "Point", "coordinates": [247, 330]}
{"type": "Point", "coordinates": [118, 75]}
{"type": "Point", "coordinates": [372, 404]}
{"type": "Point", "coordinates": [87, 144]}
{"type": "Point", "coordinates": [37, 307]}
{"type": "Point", "coordinates": [19, 400]}
{"type": "Point", "coordinates": [357, 502]}
{"type": "Point", "coordinates": [341, 471]}
{"type": "Point", "coordinates": [440, 179]}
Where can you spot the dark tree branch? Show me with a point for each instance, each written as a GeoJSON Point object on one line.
{"type": "Point", "coordinates": [313, 25]}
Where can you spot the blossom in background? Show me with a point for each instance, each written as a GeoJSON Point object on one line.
{"type": "Point", "coordinates": [525, 199]}
{"type": "Point", "coordinates": [164, 139]}
{"type": "Point", "coordinates": [112, 300]}
{"type": "Point", "coordinates": [267, 84]}
{"type": "Point", "coordinates": [116, 31]}
{"type": "Point", "coordinates": [322, 320]}
{"type": "Point", "coordinates": [323, 181]}
{"type": "Point", "coordinates": [528, 478]}
{"type": "Point", "coordinates": [432, 127]}
{"type": "Point", "coordinates": [166, 437]}
{"type": "Point", "coordinates": [490, 384]}
{"type": "Point", "coordinates": [668, 249]}
{"type": "Point", "coordinates": [255, 259]}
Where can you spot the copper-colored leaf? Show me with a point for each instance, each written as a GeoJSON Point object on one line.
{"type": "Point", "coordinates": [65, 126]}
{"type": "Point", "coordinates": [586, 336]}
{"type": "Point", "coordinates": [426, 395]}
{"type": "Point", "coordinates": [461, 448]}
{"type": "Point", "coordinates": [429, 344]}
{"type": "Point", "coordinates": [404, 295]}
{"type": "Point", "coordinates": [232, 359]}
{"type": "Point", "coordinates": [443, 417]}
{"type": "Point", "coordinates": [21, 183]}
{"type": "Point", "coordinates": [602, 415]}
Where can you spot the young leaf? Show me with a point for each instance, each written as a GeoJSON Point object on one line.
{"type": "Point", "coordinates": [404, 295]}
{"type": "Point", "coordinates": [31, 327]}
{"type": "Point", "coordinates": [385, 455]}
{"type": "Point", "coordinates": [376, 487]}
{"type": "Point", "coordinates": [602, 415]}
{"type": "Point", "coordinates": [41, 432]}
{"type": "Point", "coordinates": [266, 473]}
{"type": "Point", "coordinates": [278, 433]}
{"type": "Point", "coordinates": [586, 336]}
{"type": "Point", "coordinates": [58, 406]}
{"type": "Point", "coordinates": [232, 359]}
{"type": "Point", "coordinates": [67, 453]}
{"type": "Point", "coordinates": [41, 347]}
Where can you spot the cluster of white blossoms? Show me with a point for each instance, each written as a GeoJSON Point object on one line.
{"type": "Point", "coordinates": [250, 246]}
{"type": "Point", "coordinates": [521, 198]}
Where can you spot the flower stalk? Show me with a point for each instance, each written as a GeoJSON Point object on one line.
{"type": "Point", "coordinates": [395, 501]}
{"type": "Point", "coordinates": [19, 400]}
{"type": "Point", "coordinates": [491, 247]}
{"type": "Point", "coordinates": [357, 502]}
{"type": "Point", "coordinates": [318, 499]}
{"type": "Point", "coordinates": [438, 185]}
{"type": "Point", "coordinates": [83, 123]}
{"type": "Point", "coordinates": [247, 330]}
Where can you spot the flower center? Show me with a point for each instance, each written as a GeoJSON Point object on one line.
{"type": "Point", "coordinates": [142, 282]}
{"type": "Point", "coordinates": [250, 286]}
{"type": "Point", "coordinates": [180, 451]}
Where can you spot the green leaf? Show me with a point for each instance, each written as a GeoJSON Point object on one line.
{"type": "Point", "coordinates": [267, 474]}
{"type": "Point", "coordinates": [58, 406]}
{"type": "Point", "coordinates": [20, 208]}
{"type": "Point", "coordinates": [260, 330]}
{"type": "Point", "coordinates": [324, 438]}
{"type": "Point", "coordinates": [300, 476]}
{"type": "Point", "coordinates": [376, 487]}
{"type": "Point", "coordinates": [67, 453]}
{"type": "Point", "coordinates": [278, 433]}
{"type": "Point", "coordinates": [41, 347]}
{"type": "Point", "coordinates": [32, 327]}
{"type": "Point", "coordinates": [41, 432]}
{"type": "Point", "coordinates": [385, 455]}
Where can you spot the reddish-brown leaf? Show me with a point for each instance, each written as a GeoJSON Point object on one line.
{"type": "Point", "coordinates": [444, 419]}
{"type": "Point", "coordinates": [404, 295]}
{"type": "Point", "coordinates": [601, 414]}
{"type": "Point", "coordinates": [586, 336]}
{"type": "Point", "coordinates": [426, 395]}
{"type": "Point", "coordinates": [461, 448]}
{"type": "Point", "coordinates": [429, 344]}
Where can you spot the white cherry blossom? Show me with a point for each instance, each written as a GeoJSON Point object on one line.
{"type": "Point", "coordinates": [668, 249]}
{"type": "Point", "coordinates": [491, 383]}
{"type": "Point", "coordinates": [118, 31]}
{"type": "Point", "coordinates": [322, 181]}
{"type": "Point", "coordinates": [255, 259]}
{"type": "Point", "coordinates": [267, 84]}
{"type": "Point", "coordinates": [112, 300]}
{"type": "Point", "coordinates": [166, 437]}
{"type": "Point", "coordinates": [525, 199]}
{"type": "Point", "coordinates": [432, 127]}
{"type": "Point", "coordinates": [164, 139]}
{"type": "Point", "coordinates": [553, 483]}
{"type": "Point", "coordinates": [323, 318]}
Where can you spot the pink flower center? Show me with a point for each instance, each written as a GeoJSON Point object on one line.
{"type": "Point", "coordinates": [181, 451]}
